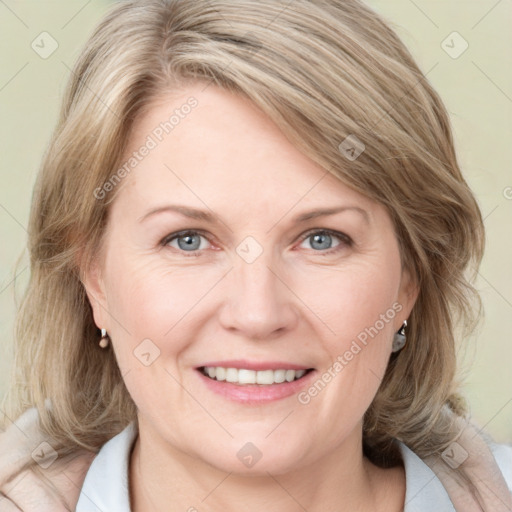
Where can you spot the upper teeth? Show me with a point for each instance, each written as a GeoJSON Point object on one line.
{"type": "Point", "coordinates": [243, 376]}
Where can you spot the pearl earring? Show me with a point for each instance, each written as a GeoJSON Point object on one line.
{"type": "Point", "coordinates": [104, 338]}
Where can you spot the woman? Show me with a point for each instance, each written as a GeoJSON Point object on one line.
{"type": "Point", "coordinates": [249, 242]}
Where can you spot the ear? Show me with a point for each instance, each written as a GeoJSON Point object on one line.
{"type": "Point", "coordinates": [92, 280]}
{"type": "Point", "coordinates": [407, 295]}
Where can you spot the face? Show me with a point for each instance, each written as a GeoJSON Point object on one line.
{"type": "Point", "coordinates": [208, 267]}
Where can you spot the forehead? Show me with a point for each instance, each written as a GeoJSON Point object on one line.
{"type": "Point", "coordinates": [210, 145]}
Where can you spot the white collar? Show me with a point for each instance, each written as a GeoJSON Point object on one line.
{"type": "Point", "coordinates": [105, 488]}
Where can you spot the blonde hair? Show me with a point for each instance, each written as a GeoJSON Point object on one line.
{"type": "Point", "coordinates": [322, 70]}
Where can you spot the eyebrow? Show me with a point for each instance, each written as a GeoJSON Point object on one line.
{"type": "Point", "coordinates": [194, 213]}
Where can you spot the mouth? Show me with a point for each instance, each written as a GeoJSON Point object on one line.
{"type": "Point", "coordinates": [254, 383]}
{"type": "Point", "coordinates": [247, 376]}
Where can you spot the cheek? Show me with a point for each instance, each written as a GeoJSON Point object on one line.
{"type": "Point", "coordinates": [152, 292]}
{"type": "Point", "coordinates": [153, 307]}
{"type": "Point", "coordinates": [350, 300]}
{"type": "Point", "coordinates": [150, 301]}
{"type": "Point", "coordinates": [360, 306]}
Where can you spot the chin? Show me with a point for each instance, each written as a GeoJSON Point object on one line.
{"type": "Point", "coordinates": [256, 458]}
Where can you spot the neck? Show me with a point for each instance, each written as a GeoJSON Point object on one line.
{"type": "Point", "coordinates": [162, 478]}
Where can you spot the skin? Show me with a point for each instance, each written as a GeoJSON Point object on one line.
{"type": "Point", "coordinates": [295, 303]}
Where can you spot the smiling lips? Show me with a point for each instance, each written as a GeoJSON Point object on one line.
{"type": "Point", "coordinates": [249, 382]}
{"type": "Point", "coordinates": [246, 376]}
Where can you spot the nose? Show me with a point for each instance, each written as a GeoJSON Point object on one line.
{"type": "Point", "coordinates": [259, 305]}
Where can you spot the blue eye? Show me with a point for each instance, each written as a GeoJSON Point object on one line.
{"type": "Point", "coordinates": [321, 240]}
{"type": "Point", "coordinates": [188, 241]}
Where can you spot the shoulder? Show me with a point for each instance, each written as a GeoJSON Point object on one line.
{"type": "Point", "coordinates": [432, 483]}
{"type": "Point", "coordinates": [424, 491]}
{"type": "Point", "coordinates": [32, 473]}
{"type": "Point", "coordinates": [503, 455]}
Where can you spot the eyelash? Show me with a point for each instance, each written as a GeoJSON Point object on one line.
{"type": "Point", "coordinates": [345, 240]}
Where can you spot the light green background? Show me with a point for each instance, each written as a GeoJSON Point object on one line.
{"type": "Point", "coordinates": [476, 88]}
